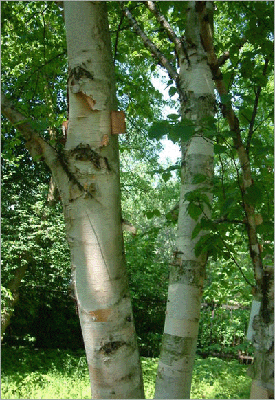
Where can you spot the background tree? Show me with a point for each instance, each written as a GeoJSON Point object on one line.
{"type": "Point", "coordinates": [241, 143]}
{"type": "Point", "coordinates": [27, 61]}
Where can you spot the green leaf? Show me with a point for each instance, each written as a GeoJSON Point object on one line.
{"type": "Point", "coordinates": [194, 210]}
{"type": "Point", "coordinates": [153, 213]}
{"type": "Point", "coordinates": [172, 91]}
{"type": "Point", "coordinates": [185, 132]}
{"type": "Point", "coordinates": [158, 129]}
{"type": "Point", "coordinates": [219, 149]}
{"type": "Point", "coordinates": [166, 176]}
{"type": "Point", "coordinates": [254, 194]}
{"type": "Point", "coordinates": [199, 178]}
{"type": "Point", "coordinates": [196, 230]}
{"type": "Point", "coordinates": [203, 245]}
{"type": "Point", "coordinates": [173, 117]}
{"type": "Point", "coordinates": [227, 205]}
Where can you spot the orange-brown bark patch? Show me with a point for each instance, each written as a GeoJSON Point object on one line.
{"type": "Point", "coordinates": [100, 315]}
{"type": "Point", "coordinates": [118, 124]}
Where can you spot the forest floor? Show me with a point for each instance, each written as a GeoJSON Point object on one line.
{"type": "Point", "coordinates": [29, 373]}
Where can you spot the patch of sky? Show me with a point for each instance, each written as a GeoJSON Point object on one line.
{"type": "Point", "coordinates": [171, 151]}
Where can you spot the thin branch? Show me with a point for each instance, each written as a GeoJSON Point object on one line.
{"type": "Point", "coordinates": [233, 121]}
{"type": "Point", "coordinates": [230, 252]}
{"type": "Point", "coordinates": [37, 146]}
{"type": "Point", "coordinates": [221, 60]}
{"type": "Point", "coordinates": [18, 120]}
{"type": "Point", "coordinates": [150, 45]}
{"type": "Point", "coordinates": [255, 108]}
{"type": "Point", "coordinates": [156, 53]}
{"type": "Point", "coordinates": [117, 34]}
{"type": "Point", "coordinates": [165, 24]}
{"type": "Point", "coordinates": [228, 221]}
{"type": "Point", "coordinates": [236, 262]}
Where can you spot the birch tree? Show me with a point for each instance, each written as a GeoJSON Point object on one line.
{"type": "Point", "coordinates": [199, 22]}
{"type": "Point", "coordinates": [263, 321]}
{"type": "Point", "coordinates": [196, 93]}
{"type": "Point", "coordinates": [87, 176]}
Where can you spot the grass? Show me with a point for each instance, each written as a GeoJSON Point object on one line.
{"type": "Point", "coordinates": [28, 373]}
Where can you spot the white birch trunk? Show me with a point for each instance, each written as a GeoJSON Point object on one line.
{"type": "Point", "coordinates": [187, 271]}
{"type": "Point", "coordinates": [87, 176]}
{"type": "Point", "coordinates": [262, 336]}
{"type": "Point", "coordinates": [93, 215]}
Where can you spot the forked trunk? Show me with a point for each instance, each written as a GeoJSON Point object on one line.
{"type": "Point", "coordinates": [187, 270]}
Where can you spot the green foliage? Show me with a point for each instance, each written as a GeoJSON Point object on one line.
{"type": "Point", "coordinates": [33, 235]}
{"type": "Point", "coordinates": [175, 131]}
{"type": "Point", "coordinates": [34, 73]}
{"type": "Point", "coordinates": [40, 374]}
{"type": "Point", "coordinates": [223, 331]}
{"type": "Point", "coordinates": [248, 75]}
{"type": "Point", "coordinates": [59, 374]}
{"type": "Point", "coordinates": [218, 379]}
{"type": "Point", "coordinates": [33, 55]}
{"type": "Point", "coordinates": [6, 297]}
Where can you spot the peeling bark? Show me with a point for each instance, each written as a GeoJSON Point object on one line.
{"type": "Point", "coordinates": [87, 176]}
{"type": "Point", "coordinates": [187, 270]}
{"type": "Point", "coordinates": [93, 219]}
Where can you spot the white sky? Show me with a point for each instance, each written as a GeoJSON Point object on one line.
{"type": "Point", "coordinates": [171, 151]}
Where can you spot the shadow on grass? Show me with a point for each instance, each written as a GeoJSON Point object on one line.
{"type": "Point", "coordinates": [33, 373]}
{"type": "Point", "coordinates": [30, 359]}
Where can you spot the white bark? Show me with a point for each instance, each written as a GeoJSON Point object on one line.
{"type": "Point", "coordinates": [93, 216]}
{"type": "Point", "coordinates": [262, 371]}
{"type": "Point", "coordinates": [261, 332]}
{"type": "Point", "coordinates": [87, 176]}
{"type": "Point", "coordinates": [187, 270]}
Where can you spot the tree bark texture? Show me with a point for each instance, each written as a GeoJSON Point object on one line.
{"type": "Point", "coordinates": [262, 371]}
{"type": "Point", "coordinates": [87, 176]}
{"type": "Point", "coordinates": [93, 217]}
{"type": "Point", "coordinates": [187, 270]}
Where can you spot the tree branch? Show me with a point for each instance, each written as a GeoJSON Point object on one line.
{"type": "Point", "coordinates": [228, 112]}
{"type": "Point", "coordinates": [117, 34]}
{"type": "Point", "coordinates": [163, 61]}
{"type": "Point", "coordinates": [39, 148]}
{"type": "Point", "coordinates": [221, 60]}
{"type": "Point", "coordinates": [255, 108]}
{"type": "Point", "coordinates": [156, 53]}
{"type": "Point", "coordinates": [165, 24]}
{"type": "Point", "coordinates": [36, 145]}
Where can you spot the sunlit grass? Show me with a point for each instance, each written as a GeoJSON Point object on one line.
{"type": "Point", "coordinates": [63, 374]}
{"type": "Point", "coordinates": [218, 379]}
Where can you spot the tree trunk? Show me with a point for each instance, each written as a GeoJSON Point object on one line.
{"type": "Point", "coordinates": [87, 175]}
{"type": "Point", "coordinates": [187, 270]}
{"type": "Point", "coordinates": [262, 371]}
{"type": "Point", "coordinates": [93, 218]}
{"type": "Point", "coordinates": [13, 286]}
